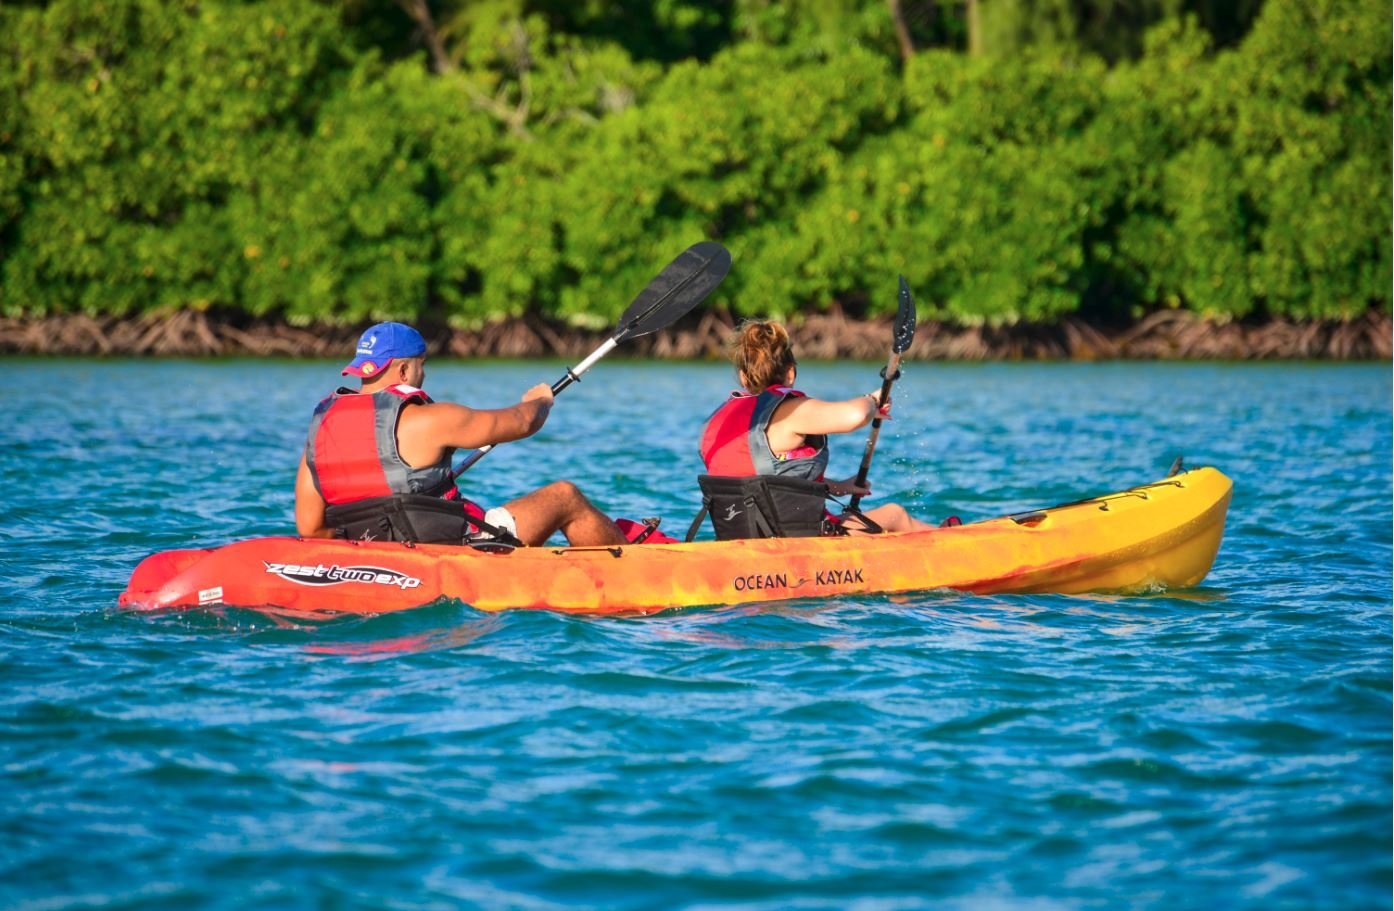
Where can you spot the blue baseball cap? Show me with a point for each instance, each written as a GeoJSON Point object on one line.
{"type": "Point", "coordinates": [380, 344]}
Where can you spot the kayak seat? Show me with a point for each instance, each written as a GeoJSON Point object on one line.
{"type": "Point", "coordinates": [409, 518]}
{"type": "Point", "coordinates": [763, 506]}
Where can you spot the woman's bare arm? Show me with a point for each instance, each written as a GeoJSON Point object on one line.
{"type": "Point", "coordinates": [802, 417]}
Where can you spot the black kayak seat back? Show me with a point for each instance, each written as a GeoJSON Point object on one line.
{"type": "Point", "coordinates": [763, 506]}
{"type": "Point", "coordinates": [409, 518]}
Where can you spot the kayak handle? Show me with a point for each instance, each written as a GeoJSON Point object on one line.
{"type": "Point", "coordinates": [613, 551]}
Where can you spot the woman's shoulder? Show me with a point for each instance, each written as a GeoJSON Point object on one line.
{"type": "Point", "coordinates": [795, 402]}
{"type": "Point", "coordinates": [787, 392]}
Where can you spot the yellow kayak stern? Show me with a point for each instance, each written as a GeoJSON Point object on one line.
{"type": "Point", "coordinates": [1163, 535]}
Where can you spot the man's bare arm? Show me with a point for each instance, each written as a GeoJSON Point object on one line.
{"type": "Point", "coordinates": [309, 506]}
{"type": "Point", "coordinates": [425, 431]}
{"type": "Point", "coordinates": [459, 427]}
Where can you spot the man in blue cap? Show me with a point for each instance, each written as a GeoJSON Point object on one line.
{"type": "Point", "coordinates": [377, 459]}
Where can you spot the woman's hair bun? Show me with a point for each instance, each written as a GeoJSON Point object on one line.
{"type": "Point", "coordinates": [762, 353]}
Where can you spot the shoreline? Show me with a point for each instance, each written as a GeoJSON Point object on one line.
{"type": "Point", "coordinates": [1164, 335]}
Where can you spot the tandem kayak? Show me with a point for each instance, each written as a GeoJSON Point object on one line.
{"type": "Point", "coordinates": [1155, 537]}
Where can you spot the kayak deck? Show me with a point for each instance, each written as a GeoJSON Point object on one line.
{"type": "Point", "coordinates": [1158, 536]}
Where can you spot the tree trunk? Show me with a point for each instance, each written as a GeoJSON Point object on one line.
{"type": "Point", "coordinates": [902, 31]}
{"type": "Point", "coordinates": [420, 13]}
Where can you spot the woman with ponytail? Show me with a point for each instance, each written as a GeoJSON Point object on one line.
{"type": "Point", "coordinates": [770, 428]}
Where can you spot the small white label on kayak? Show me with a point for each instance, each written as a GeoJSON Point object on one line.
{"type": "Point", "coordinates": [211, 595]}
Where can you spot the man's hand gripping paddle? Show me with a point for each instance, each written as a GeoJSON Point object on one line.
{"type": "Point", "coordinates": [900, 340]}
{"type": "Point", "coordinates": [681, 286]}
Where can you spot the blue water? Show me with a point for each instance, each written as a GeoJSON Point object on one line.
{"type": "Point", "coordinates": [1225, 747]}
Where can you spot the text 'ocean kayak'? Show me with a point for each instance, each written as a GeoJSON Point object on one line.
{"type": "Point", "coordinates": [1159, 536]}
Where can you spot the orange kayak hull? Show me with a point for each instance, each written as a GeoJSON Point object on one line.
{"type": "Point", "coordinates": [1155, 537]}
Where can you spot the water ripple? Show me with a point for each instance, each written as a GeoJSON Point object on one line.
{"type": "Point", "coordinates": [1226, 746]}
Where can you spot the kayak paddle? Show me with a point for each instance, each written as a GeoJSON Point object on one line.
{"type": "Point", "coordinates": [901, 337]}
{"type": "Point", "coordinates": [681, 286]}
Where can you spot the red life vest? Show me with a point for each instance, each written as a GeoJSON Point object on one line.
{"type": "Point", "coordinates": [352, 448]}
{"type": "Point", "coordinates": [736, 443]}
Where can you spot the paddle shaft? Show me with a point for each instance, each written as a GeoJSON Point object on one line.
{"type": "Point", "coordinates": [888, 379]}
{"type": "Point", "coordinates": [573, 375]}
{"type": "Point", "coordinates": [683, 284]}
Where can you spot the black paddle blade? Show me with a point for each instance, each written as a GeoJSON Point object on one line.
{"type": "Point", "coordinates": [904, 319]}
{"type": "Point", "coordinates": [684, 284]}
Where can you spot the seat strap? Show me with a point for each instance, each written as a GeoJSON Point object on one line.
{"type": "Point", "coordinates": [697, 522]}
{"type": "Point", "coordinates": [763, 524]}
{"type": "Point", "coordinates": [868, 523]}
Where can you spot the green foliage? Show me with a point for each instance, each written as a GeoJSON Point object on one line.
{"type": "Point", "coordinates": [667, 30]}
{"type": "Point", "coordinates": [715, 148]}
{"type": "Point", "coordinates": [1112, 29]}
{"type": "Point", "coordinates": [1180, 233]}
{"type": "Point", "coordinates": [304, 160]}
{"type": "Point", "coordinates": [1274, 183]}
{"type": "Point", "coordinates": [142, 123]}
{"type": "Point", "coordinates": [815, 23]}
{"type": "Point", "coordinates": [980, 198]}
{"type": "Point", "coordinates": [346, 228]}
{"type": "Point", "coordinates": [12, 24]}
{"type": "Point", "coordinates": [1312, 113]}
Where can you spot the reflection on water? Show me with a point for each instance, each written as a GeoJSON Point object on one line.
{"type": "Point", "coordinates": [451, 637]}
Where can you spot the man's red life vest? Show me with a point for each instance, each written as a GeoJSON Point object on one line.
{"type": "Point", "coordinates": [735, 442]}
{"type": "Point", "coordinates": [352, 448]}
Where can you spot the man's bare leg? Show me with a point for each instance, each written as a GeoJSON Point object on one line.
{"type": "Point", "coordinates": [561, 506]}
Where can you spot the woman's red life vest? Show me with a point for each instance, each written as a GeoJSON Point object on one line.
{"type": "Point", "coordinates": [735, 442]}
{"type": "Point", "coordinates": [352, 448]}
